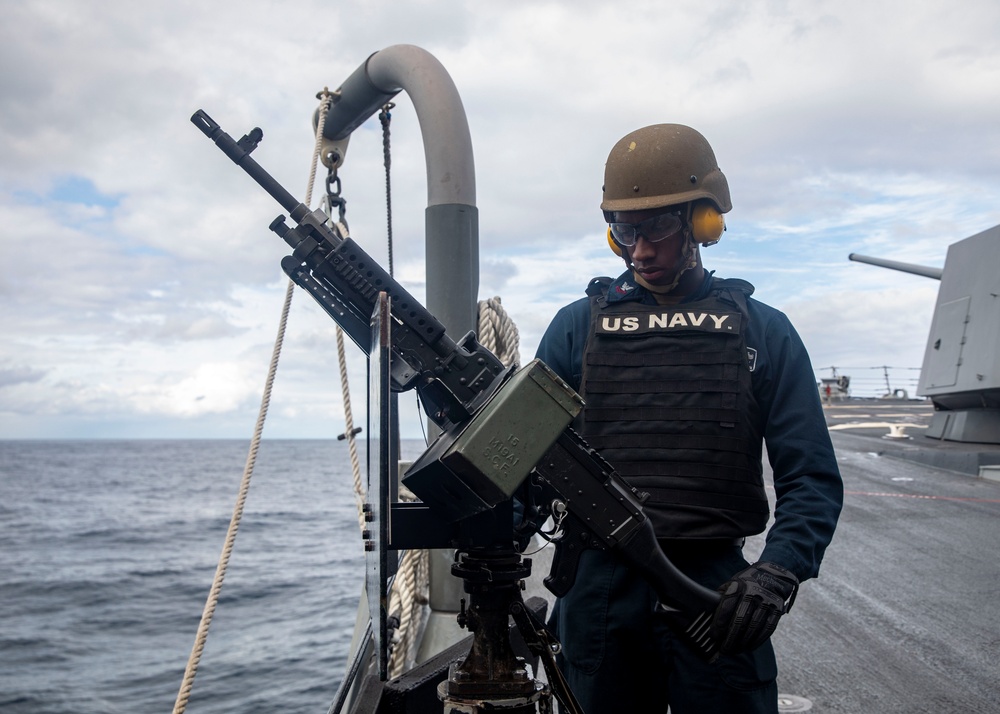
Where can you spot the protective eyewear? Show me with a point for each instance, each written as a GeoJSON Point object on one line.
{"type": "Point", "coordinates": [652, 229]}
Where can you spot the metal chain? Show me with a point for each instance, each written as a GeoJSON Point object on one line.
{"type": "Point", "coordinates": [333, 197]}
{"type": "Point", "coordinates": [384, 117]}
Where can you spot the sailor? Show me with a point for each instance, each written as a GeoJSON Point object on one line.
{"type": "Point", "coordinates": [685, 377]}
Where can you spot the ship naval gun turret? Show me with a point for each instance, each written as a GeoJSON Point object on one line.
{"type": "Point", "coordinates": [961, 367]}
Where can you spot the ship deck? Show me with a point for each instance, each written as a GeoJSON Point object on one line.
{"type": "Point", "coordinates": [905, 616]}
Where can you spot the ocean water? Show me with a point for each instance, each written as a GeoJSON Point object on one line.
{"type": "Point", "coordinates": [107, 553]}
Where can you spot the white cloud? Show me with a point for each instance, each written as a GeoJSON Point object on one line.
{"type": "Point", "coordinates": [150, 307]}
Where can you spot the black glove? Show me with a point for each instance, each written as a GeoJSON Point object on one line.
{"type": "Point", "coordinates": [752, 601]}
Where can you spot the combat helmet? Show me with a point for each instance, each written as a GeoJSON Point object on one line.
{"type": "Point", "coordinates": [663, 165]}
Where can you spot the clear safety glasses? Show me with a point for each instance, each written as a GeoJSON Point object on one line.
{"type": "Point", "coordinates": [652, 229]}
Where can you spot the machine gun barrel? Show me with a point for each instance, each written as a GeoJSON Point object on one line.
{"type": "Point", "coordinates": [239, 152]}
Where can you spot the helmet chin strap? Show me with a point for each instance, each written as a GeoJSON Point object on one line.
{"type": "Point", "coordinates": [689, 260]}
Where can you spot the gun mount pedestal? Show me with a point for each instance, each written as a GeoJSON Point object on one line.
{"type": "Point", "coordinates": [492, 677]}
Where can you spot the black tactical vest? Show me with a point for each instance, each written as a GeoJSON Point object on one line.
{"type": "Point", "coordinates": [670, 405]}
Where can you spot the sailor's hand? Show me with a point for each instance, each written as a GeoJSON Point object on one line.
{"type": "Point", "coordinates": [752, 601]}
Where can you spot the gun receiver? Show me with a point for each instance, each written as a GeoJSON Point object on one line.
{"type": "Point", "coordinates": [496, 429]}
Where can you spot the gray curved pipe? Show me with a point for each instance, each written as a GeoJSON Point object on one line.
{"type": "Point", "coordinates": [451, 219]}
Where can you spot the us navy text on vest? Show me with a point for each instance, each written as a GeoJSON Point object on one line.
{"type": "Point", "coordinates": [643, 322]}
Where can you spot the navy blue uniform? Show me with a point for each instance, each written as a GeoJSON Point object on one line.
{"type": "Point", "coordinates": [617, 655]}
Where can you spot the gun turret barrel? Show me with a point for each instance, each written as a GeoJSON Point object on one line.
{"type": "Point", "coordinates": [923, 270]}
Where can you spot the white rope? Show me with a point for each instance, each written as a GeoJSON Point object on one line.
{"type": "Point", "coordinates": [352, 444]}
{"type": "Point", "coordinates": [497, 332]}
{"type": "Point", "coordinates": [184, 694]}
{"type": "Point", "coordinates": [187, 683]}
{"type": "Point", "coordinates": [408, 598]}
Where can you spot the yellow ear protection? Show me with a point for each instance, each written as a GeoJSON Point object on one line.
{"type": "Point", "coordinates": [617, 249]}
{"type": "Point", "coordinates": [707, 226]}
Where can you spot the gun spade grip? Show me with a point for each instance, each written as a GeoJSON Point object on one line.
{"type": "Point", "coordinates": [674, 589]}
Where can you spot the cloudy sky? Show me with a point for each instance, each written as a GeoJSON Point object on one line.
{"type": "Point", "coordinates": [141, 289]}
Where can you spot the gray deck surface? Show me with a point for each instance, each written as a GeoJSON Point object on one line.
{"type": "Point", "coordinates": [905, 616]}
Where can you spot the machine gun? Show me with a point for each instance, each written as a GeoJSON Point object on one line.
{"type": "Point", "coordinates": [450, 378]}
{"type": "Point", "coordinates": [500, 429]}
